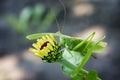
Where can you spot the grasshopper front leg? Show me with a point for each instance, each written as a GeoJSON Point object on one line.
{"type": "Point", "coordinates": [81, 43]}
{"type": "Point", "coordinates": [87, 54]}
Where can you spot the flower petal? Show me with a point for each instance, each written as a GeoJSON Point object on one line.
{"type": "Point", "coordinates": [39, 55]}
{"type": "Point", "coordinates": [44, 38]}
{"type": "Point", "coordinates": [40, 42]}
{"type": "Point", "coordinates": [35, 46]}
{"type": "Point", "coordinates": [50, 47]}
{"type": "Point", "coordinates": [32, 50]}
{"type": "Point", "coordinates": [52, 37]}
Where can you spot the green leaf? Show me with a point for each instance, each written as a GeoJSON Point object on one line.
{"type": "Point", "coordinates": [66, 70]}
{"type": "Point", "coordinates": [92, 75]}
{"type": "Point", "coordinates": [24, 19]}
{"type": "Point", "coordinates": [12, 21]}
{"type": "Point", "coordinates": [71, 60]}
{"type": "Point", "coordinates": [38, 12]}
{"type": "Point", "coordinates": [73, 57]}
{"type": "Point", "coordinates": [49, 18]}
{"type": "Point", "coordinates": [25, 14]}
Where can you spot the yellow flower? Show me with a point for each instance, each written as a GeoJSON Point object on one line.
{"type": "Point", "coordinates": [47, 48]}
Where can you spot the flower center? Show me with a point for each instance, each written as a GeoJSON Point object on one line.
{"type": "Point", "coordinates": [44, 45]}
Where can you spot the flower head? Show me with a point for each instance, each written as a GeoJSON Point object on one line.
{"type": "Point", "coordinates": [47, 48]}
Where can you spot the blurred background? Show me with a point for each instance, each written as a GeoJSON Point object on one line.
{"type": "Point", "coordinates": [18, 18]}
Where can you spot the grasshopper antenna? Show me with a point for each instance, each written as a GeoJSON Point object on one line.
{"type": "Point", "coordinates": [58, 25]}
{"type": "Point", "coordinates": [61, 30]}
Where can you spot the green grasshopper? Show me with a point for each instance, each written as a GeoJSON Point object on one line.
{"type": "Point", "coordinates": [75, 53]}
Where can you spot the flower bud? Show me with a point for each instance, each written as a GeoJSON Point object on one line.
{"type": "Point", "coordinates": [47, 49]}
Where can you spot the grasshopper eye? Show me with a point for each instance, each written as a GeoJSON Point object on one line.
{"type": "Point", "coordinates": [47, 48]}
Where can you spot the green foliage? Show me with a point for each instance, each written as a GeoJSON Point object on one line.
{"type": "Point", "coordinates": [38, 11]}
{"type": "Point", "coordinates": [32, 19]}
{"type": "Point", "coordinates": [92, 75]}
